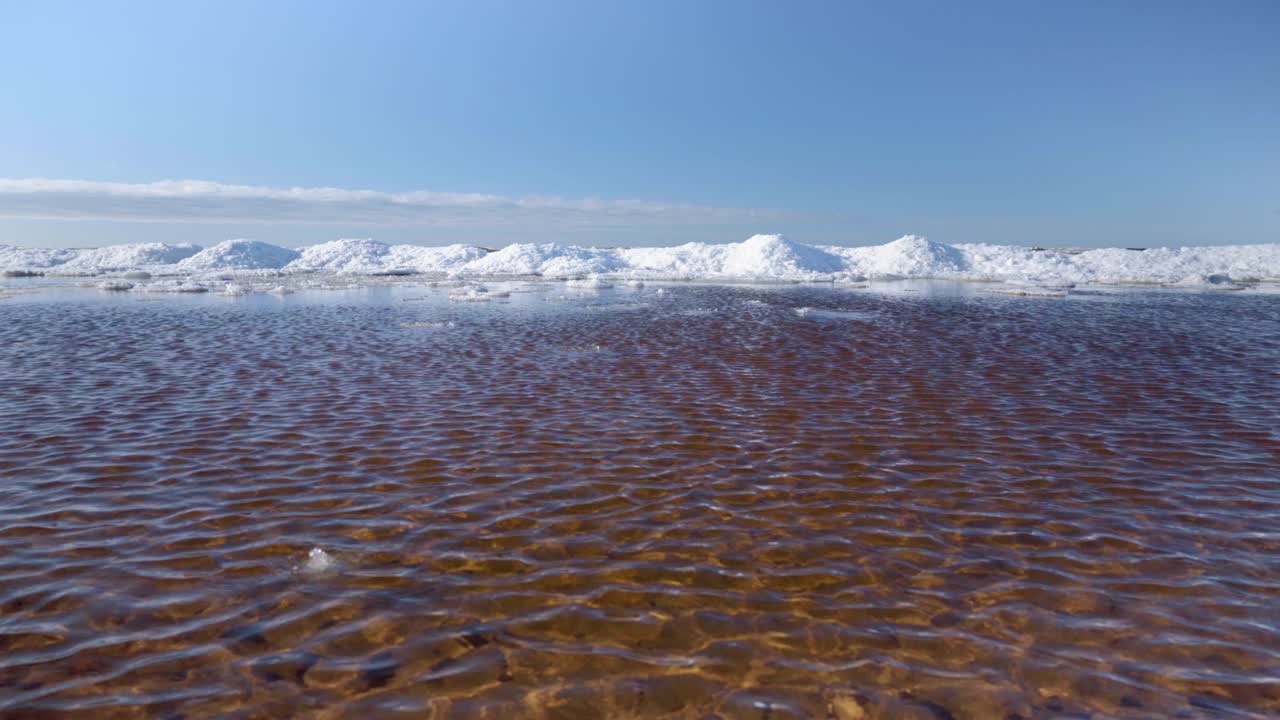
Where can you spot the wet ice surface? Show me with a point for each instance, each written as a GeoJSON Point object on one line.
{"type": "Point", "coordinates": [909, 500]}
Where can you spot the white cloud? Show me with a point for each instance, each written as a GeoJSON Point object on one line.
{"type": "Point", "coordinates": [204, 201]}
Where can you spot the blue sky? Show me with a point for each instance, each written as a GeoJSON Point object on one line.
{"type": "Point", "coordinates": [1067, 123]}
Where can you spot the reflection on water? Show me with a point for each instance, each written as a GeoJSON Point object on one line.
{"type": "Point", "coordinates": [887, 505]}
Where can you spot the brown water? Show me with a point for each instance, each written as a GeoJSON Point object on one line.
{"type": "Point", "coordinates": [923, 505]}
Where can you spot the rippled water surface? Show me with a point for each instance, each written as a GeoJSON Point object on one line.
{"type": "Point", "coordinates": [710, 501]}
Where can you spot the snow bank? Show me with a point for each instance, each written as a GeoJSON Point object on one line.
{"type": "Point", "coordinates": [546, 259]}
{"type": "Point", "coordinates": [1118, 266]}
{"type": "Point", "coordinates": [448, 259]}
{"type": "Point", "coordinates": [20, 260]}
{"type": "Point", "coordinates": [761, 258]}
{"type": "Point", "coordinates": [906, 257]}
{"type": "Point", "coordinates": [773, 256]}
{"type": "Point", "coordinates": [360, 257]}
{"type": "Point", "coordinates": [369, 257]}
{"type": "Point", "coordinates": [120, 258]}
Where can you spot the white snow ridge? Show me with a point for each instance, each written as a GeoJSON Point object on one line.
{"type": "Point", "coordinates": [760, 258]}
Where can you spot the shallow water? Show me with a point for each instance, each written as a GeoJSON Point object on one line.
{"type": "Point", "coordinates": [746, 502]}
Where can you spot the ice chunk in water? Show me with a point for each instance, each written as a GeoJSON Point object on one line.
{"type": "Point", "coordinates": [475, 293]}
{"type": "Point", "coordinates": [1027, 291]}
{"type": "Point", "coordinates": [318, 562]}
{"type": "Point", "coordinates": [1217, 281]}
{"type": "Point", "coordinates": [593, 283]}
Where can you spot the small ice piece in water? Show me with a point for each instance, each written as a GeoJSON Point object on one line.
{"type": "Point", "coordinates": [591, 283]}
{"type": "Point", "coordinates": [234, 289]}
{"type": "Point", "coordinates": [1217, 281]}
{"type": "Point", "coordinates": [115, 285]}
{"type": "Point", "coordinates": [318, 562]}
{"type": "Point", "coordinates": [823, 313]}
{"type": "Point", "coordinates": [428, 325]}
{"type": "Point", "coordinates": [1017, 290]}
{"type": "Point", "coordinates": [280, 290]}
{"type": "Point", "coordinates": [471, 293]}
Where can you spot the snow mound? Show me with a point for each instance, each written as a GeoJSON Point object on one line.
{"type": "Point", "coordinates": [447, 259]}
{"type": "Point", "coordinates": [239, 255]}
{"type": "Point", "coordinates": [545, 259]}
{"type": "Point", "coordinates": [774, 257]}
{"type": "Point", "coordinates": [362, 257]}
{"type": "Point", "coordinates": [133, 256]}
{"type": "Point", "coordinates": [909, 256]}
{"type": "Point", "coordinates": [370, 257]}
{"type": "Point", "coordinates": [691, 261]}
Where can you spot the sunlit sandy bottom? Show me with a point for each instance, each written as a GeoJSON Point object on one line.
{"type": "Point", "coordinates": [582, 502]}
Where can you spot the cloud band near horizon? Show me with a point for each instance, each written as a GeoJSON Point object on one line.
{"type": "Point", "coordinates": [206, 201]}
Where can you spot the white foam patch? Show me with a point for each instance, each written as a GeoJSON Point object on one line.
{"type": "Point", "coordinates": [760, 258]}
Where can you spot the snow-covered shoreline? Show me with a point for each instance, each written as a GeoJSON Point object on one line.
{"type": "Point", "coordinates": [761, 258]}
